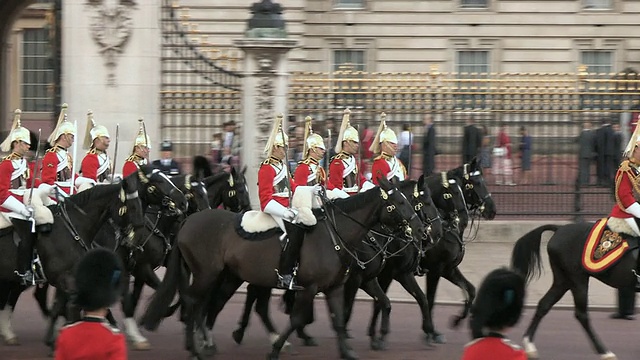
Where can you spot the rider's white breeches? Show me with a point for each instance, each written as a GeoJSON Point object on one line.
{"type": "Point", "coordinates": [633, 224]}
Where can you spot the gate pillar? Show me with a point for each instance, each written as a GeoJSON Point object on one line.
{"type": "Point", "coordinates": [265, 84]}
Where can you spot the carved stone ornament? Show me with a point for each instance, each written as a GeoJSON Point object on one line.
{"type": "Point", "coordinates": [111, 28]}
{"type": "Point", "coordinates": [265, 102]}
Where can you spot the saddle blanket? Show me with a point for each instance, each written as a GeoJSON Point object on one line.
{"type": "Point", "coordinates": [604, 246]}
{"type": "Point", "coordinates": [42, 214]}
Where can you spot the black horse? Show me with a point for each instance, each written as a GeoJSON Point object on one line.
{"type": "Point", "coordinates": [76, 222]}
{"type": "Point", "coordinates": [565, 249]}
{"type": "Point", "coordinates": [229, 190]}
{"type": "Point", "coordinates": [213, 256]}
{"type": "Point", "coordinates": [375, 252]}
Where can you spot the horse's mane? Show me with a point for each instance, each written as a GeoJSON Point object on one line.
{"type": "Point", "coordinates": [210, 180]}
{"type": "Point", "coordinates": [357, 201]}
{"type": "Point", "coordinates": [96, 192]}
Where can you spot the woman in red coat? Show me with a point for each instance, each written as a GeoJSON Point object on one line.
{"type": "Point", "coordinates": [497, 309]}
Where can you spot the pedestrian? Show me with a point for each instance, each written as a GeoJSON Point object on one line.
{"type": "Point", "coordinates": [429, 151]}
{"type": "Point", "coordinates": [216, 148]}
{"type": "Point", "coordinates": [604, 149]}
{"type": "Point", "coordinates": [98, 280]}
{"type": "Point", "coordinates": [503, 164]}
{"type": "Point", "coordinates": [617, 145]}
{"type": "Point", "coordinates": [405, 141]}
{"type": "Point", "coordinates": [497, 309]}
{"type": "Point", "coordinates": [587, 153]}
{"type": "Point", "coordinates": [485, 148]}
{"type": "Point", "coordinates": [471, 141]}
{"type": "Point", "coordinates": [525, 156]}
{"type": "Point", "coordinates": [167, 164]}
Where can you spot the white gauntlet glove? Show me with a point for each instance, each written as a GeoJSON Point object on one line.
{"type": "Point", "coordinates": [634, 209]}
{"type": "Point", "coordinates": [291, 215]}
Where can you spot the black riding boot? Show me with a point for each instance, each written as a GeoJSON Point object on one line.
{"type": "Point", "coordinates": [25, 251]}
{"type": "Point", "coordinates": [289, 257]}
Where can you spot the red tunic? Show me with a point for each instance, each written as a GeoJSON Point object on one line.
{"type": "Point", "coordinates": [93, 167]}
{"type": "Point", "coordinates": [272, 183]}
{"type": "Point", "coordinates": [308, 173]}
{"type": "Point", "coordinates": [13, 171]}
{"type": "Point", "coordinates": [493, 348]}
{"type": "Point", "coordinates": [132, 164]}
{"type": "Point", "coordinates": [56, 167]}
{"type": "Point", "coordinates": [337, 177]}
{"type": "Point", "coordinates": [382, 168]}
{"type": "Point", "coordinates": [626, 176]}
{"type": "Point", "coordinates": [91, 338]}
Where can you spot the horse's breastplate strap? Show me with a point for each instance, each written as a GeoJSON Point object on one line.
{"type": "Point", "coordinates": [103, 167]}
{"type": "Point", "coordinates": [313, 177]}
{"type": "Point", "coordinates": [395, 169]}
{"type": "Point", "coordinates": [19, 174]}
{"type": "Point", "coordinates": [280, 186]}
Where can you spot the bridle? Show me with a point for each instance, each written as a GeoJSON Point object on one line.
{"type": "Point", "coordinates": [475, 207]}
{"type": "Point", "coordinates": [167, 202]}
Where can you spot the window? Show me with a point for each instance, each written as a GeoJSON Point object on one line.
{"type": "Point", "coordinates": [598, 62]}
{"type": "Point", "coordinates": [349, 4]}
{"type": "Point", "coordinates": [37, 73]}
{"type": "Point", "coordinates": [598, 4]}
{"type": "Point", "coordinates": [474, 4]}
{"type": "Point", "coordinates": [470, 61]}
{"type": "Point", "coordinates": [353, 60]}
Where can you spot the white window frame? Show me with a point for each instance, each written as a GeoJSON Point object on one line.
{"type": "Point", "coordinates": [473, 6]}
{"type": "Point", "coordinates": [598, 5]}
{"type": "Point", "coordinates": [357, 67]}
{"type": "Point", "coordinates": [341, 5]}
{"type": "Point", "coordinates": [487, 64]}
{"type": "Point", "coordinates": [38, 74]}
{"type": "Point", "coordinates": [593, 66]}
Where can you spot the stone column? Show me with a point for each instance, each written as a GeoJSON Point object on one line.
{"type": "Point", "coordinates": [265, 84]}
{"type": "Point", "coordinates": [111, 65]}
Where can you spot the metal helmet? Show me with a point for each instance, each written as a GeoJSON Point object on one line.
{"type": "Point", "coordinates": [142, 139]}
{"type": "Point", "coordinates": [384, 134]}
{"type": "Point", "coordinates": [93, 131]}
{"type": "Point", "coordinates": [63, 126]}
{"type": "Point", "coordinates": [311, 140]}
{"type": "Point", "coordinates": [276, 138]}
{"type": "Point", "coordinates": [347, 132]}
{"type": "Point", "coordinates": [18, 133]}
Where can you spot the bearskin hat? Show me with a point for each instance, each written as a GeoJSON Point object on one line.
{"type": "Point", "coordinates": [98, 280]}
{"type": "Point", "coordinates": [499, 302]}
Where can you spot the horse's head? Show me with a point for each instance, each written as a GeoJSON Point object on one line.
{"type": "Point", "coordinates": [130, 212]}
{"type": "Point", "coordinates": [236, 198]}
{"type": "Point", "coordinates": [426, 209]}
{"type": "Point", "coordinates": [449, 199]}
{"type": "Point", "coordinates": [194, 191]}
{"type": "Point", "coordinates": [399, 212]}
{"type": "Point", "coordinates": [160, 190]}
{"type": "Point", "coordinates": [475, 189]}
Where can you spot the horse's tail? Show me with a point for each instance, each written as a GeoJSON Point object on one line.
{"type": "Point", "coordinates": [525, 257]}
{"type": "Point", "coordinates": [161, 300]}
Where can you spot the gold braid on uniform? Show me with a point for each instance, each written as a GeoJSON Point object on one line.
{"type": "Point", "coordinates": [135, 158]}
{"type": "Point", "coordinates": [13, 156]}
{"type": "Point", "coordinates": [626, 167]}
{"type": "Point", "coordinates": [94, 151]}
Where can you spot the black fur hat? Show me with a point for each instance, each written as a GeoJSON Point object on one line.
{"type": "Point", "coordinates": [499, 302]}
{"type": "Point", "coordinates": [98, 280]}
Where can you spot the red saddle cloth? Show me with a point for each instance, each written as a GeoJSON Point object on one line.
{"type": "Point", "coordinates": [603, 248]}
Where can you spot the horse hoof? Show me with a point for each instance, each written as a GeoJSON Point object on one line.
{"type": "Point", "coordinates": [455, 321]}
{"type": "Point", "coordinates": [347, 334]}
{"type": "Point", "coordinates": [438, 338]}
{"type": "Point", "coordinates": [238, 335]}
{"type": "Point", "coordinates": [209, 350]}
{"type": "Point", "coordinates": [309, 342]}
{"type": "Point", "coordinates": [141, 346]}
{"type": "Point", "coordinates": [375, 345]}
{"type": "Point", "coordinates": [608, 356]}
{"type": "Point", "coordinates": [532, 355]}
{"type": "Point", "coordinates": [12, 341]}
{"type": "Point", "coordinates": [272, 356]}
{"type": "Point", "coordinates": [349, 355]}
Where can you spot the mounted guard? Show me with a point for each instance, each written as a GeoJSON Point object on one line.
{"type": "Point", "coordinates": [140, 152]}
{"type": "Point", "coordinates": [627, 194]}
{"type": "Point", "coordinates": [343, 170]}
{"type": "Point", "coordinates": [386, 164]}
{"type": "Point", "coordinates": [14, 176]}
{"type": "Point", "coordinates": [57, 164]}
{"type": "Point", "coordinates": [309, 172]}
{"type": "Point", "coordinates": [96, 165]}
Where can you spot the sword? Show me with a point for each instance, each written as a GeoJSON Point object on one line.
{"type": "Point", "coordinates": [359, 163]}
{"type": "Point", "coordinates": [410, 159]}
{"type": "Point", "coordinates": [327, 155]}
{"type": "Point", "coordinates": [146, 138]}
{"type": "Point", "coordinates": [115, 155]}
{"type": "Point", "coordinates": [286, 159]}
{"type": "Point", "coordinates": [73, 163]}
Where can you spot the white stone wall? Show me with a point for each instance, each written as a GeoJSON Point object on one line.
{"type": "Point", "coordinates": [135, 92]}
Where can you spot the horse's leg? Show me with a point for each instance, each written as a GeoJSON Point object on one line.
{"type": "Point", "coordinates": [40, 294]}
{"type": "Point", "coordinates": [469, 291]}
{"type": "Point", "coordinates": [580, 292]}
{"type": "Point", "coordinates": [433, 278]}
{"type": "Point", "coordinates": [195, 297]}
{"type": "Point", "coordinates": [354, 281]}
{"type": "Point", "coordinates": [307, 340]}
{"type": "Point", "coordinates": [7, 304]}
{"type": "Point", "coordinates": [384, 281]}
{"type": "Point", "coordinates": [335, 300]}
{"type": "Point", "coordinates": [261, 297]}
{"type": "Point", "coordinates": [250, 299]}
{"type": "Point", "coordinates": [409, 283]}
{"type": "Point", "coordinates": [559, 287]}
{"type": "Point", "coordinates": [219, 298]}
{"type": "Point", "coordinates": [57, 309]}
{"type": "Point", "coordinates": [304, 299]}
{"type": "Point", "coordinates": [372, 287]}
{"type": "Point", "coordinates": [143, 274]}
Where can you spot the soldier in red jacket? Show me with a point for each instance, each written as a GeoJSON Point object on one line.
{"type": "Point", "coordinates": [57, 164]}
{"type": "Point", "coordinates": [386, 164]}
{"type": "Point", "coordinates": [96, 166]}
{"type": "Point", "coordinates": [274, 187]}
{"type": "Point", "coordinates": [98, 282]}
{"type": "Point", "coordinates": [140, 152]}
{"type": "Point", "coordinates": [309, 172]}
{"type": "Point", "coordinates": [627, 189]}
{"type": "Point", "coordinates": [343, 170]}
{"type": "Point", "coordinates": [497, 309]}
{"type": "Point", "coordinates": [14, 175]}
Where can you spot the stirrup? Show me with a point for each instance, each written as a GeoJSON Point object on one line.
{"type": "Point", "coordinates": [26, 278]}
{"type": "Point", "coordinates": [637, 278]}
{"type": "Point", "coordinates": [287, 282]}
